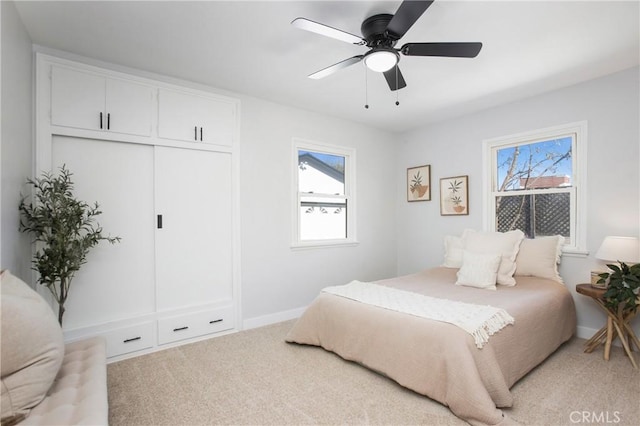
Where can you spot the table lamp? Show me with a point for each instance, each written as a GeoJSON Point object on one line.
{"type": "Point", "coordinates": [617, 249]}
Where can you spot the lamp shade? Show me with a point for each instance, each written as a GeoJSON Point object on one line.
{"type": "Point", "coordinates": [620, 249]}
{"type": "Point", "coordinates": [381, 60]}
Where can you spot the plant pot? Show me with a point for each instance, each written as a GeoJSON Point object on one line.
{"type": "Point", "coordinates": [458, 209]}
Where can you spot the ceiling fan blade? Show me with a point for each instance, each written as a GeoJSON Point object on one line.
{"type": "Point", "coordinates": [325, 30]}
{"type": "Point", "coordinates": [336, 67]}
{"type": "Point", "coordinates": [406, 15]}
{"type": "Point", "coordinates": [395, 80]}
{"type": "Point", "coordinates": [455, 50]}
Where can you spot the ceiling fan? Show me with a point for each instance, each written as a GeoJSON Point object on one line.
{"type": "Point", "coordinates": [380, 34]}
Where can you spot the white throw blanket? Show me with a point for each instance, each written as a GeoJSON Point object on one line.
{"type": "Point", "coordinates": [478, 320]}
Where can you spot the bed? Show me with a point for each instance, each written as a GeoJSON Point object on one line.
{"type": "Point", "coordinates": [439, 359]}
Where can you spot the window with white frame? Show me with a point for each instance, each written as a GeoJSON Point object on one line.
{"type": "Point", "coordinates": [535, 182]}
{"type": "Point", "coordinates": [324, 186]}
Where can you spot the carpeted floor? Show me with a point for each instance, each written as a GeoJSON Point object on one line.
{"type": "Point", "coordinates": [255, 378]}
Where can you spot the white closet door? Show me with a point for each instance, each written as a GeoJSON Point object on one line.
{"type": "Point", "coordinates": [117, 281]}
{"type": "Point", "coordinates": [194, 245]}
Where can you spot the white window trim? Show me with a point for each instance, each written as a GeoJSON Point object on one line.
{"type": "Point", "coordinates": [349, 192]}
{"type": "Point", "coordinates": [578, 198]}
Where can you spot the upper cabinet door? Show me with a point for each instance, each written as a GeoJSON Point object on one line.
{"type": "Point", "coordinates": [129, 106]}
{"type": "Point", "coordinates": [77, 99]}
{"type": "Point", "coordinates": [194, 118]}
{"type": "Point", "coordinates": [90, 101]}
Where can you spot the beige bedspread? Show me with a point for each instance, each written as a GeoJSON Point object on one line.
{"type": "Point", "coordinates": [438, 359]}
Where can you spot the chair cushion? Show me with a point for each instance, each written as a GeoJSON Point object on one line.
{"type": "Point", "coordinates": [32, 348]}
{"type": "Point", "coordinates": [79, 394]}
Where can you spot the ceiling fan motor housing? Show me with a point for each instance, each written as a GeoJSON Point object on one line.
{"type": "Point", "coordinates": [374, 31]}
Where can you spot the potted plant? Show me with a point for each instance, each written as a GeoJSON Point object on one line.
{"type": "Point", "coordinates": [623, 287]}
{"type": "Point", "coordinates": [64, 230]}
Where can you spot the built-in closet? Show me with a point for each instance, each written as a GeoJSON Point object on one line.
{"type": "Point", "coordinates": [161, 160]}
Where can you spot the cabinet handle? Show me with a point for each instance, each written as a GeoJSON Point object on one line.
{"type": "Point", "coordinates": [101, 120]}
{"type": "Point", "coordinates": [215, 321]}
{"type": "Point", "coordinates": [109, 121]}
{"type": "Point", "coordinates": [133, 339]}
{"type": "Point", "coordinates": [195, 133]}
{"type": "Point", "coordinates": [159, 221]}
{"type": "Point", "coordinates": [200, 134]}
{"type": "Point", "coordinates": [181, 328]}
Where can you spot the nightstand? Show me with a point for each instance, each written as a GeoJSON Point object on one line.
{"type": "Point", "coordinates": [618, 325]}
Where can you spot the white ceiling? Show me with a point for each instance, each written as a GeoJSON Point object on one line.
{"type": "Point", "coordinates": [250, 47]}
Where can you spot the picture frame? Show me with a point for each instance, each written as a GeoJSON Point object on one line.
{"type": "Point", "coordinates": [419, 183]}
{"type": "Point", "coordinates": [454, 196]}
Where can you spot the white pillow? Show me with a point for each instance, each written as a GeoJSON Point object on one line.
{"type": "Point", "coordinates": [539, 257]}
{"type": "Point", "coordinates": [505, 243]}
{"type": "Point", "coordinates": [479, 270]}
{"type": "Point", "coordinates": [452, 251]}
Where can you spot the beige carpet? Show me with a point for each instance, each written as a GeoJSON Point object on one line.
{"type": "Point", "coordinates": [255, 378]}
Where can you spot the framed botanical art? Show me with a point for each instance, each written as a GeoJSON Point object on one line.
{"type": "Point", "coordinates": [419, 183]}
{"type": "Point", "coordinates": [454, 196]}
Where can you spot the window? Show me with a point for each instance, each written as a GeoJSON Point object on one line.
{"type": "Point", "coordinates": [535, 182]}
{"type": "Point", "coordinates": [324, 203]}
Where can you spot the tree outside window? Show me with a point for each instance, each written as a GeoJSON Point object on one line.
{"type": "Point", "coordinates": [533, 181]}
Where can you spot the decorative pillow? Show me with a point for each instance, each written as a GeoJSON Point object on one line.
{"type": "Point", "coordinates": [539, 257]}
{"type": "Point", "coordinates": [452, 251]}
{"type": "Point", "coordinates": [505, 243]}
{"type": "Point", "coordinates": [32, 348]}
{"type": "Point", "coordinates": [479, 270]}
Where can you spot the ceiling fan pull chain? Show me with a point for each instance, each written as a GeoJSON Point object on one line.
{"type": "Point", "coordinates": [397, 87]}
{"type": "Point", "coordinates": [366, 89]}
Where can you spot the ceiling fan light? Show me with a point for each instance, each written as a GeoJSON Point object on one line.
{"type": "Point", "coordinates": [381, 60]}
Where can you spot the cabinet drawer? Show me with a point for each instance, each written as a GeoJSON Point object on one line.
{"type": "Point", "coordinates": [181, 327]}
{"type": "Point", "coordinates": [129, 339]}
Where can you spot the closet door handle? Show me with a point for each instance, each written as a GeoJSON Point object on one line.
{"type": "Point", "coordinates": [101, 120]}
{"type": "Point", "coordinates": [159, 221]}
{"type": "Point", "coordinates": [108, 121]}
{"type": "Point", "coordinates": [195, 133]}
{"type": "Point", "coordinates": [200, 134]}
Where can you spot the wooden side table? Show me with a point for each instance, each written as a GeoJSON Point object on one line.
{"type": "Point", "coordinates": [618, 325]}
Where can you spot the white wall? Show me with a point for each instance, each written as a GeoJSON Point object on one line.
{"type": "Point", "coordinates": [276, 278]}
{"type": "Point", "coordinates": [610, 105]}
{"type": "Point", "coordinates": [16, 143]}
{"type": "Point", "coordinates": [276, 281]}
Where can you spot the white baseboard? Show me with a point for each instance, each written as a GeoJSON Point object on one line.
{"type": "Point", "coordinates": [586, 333]}
{"type": "Point", "coordinates": [272, 318]}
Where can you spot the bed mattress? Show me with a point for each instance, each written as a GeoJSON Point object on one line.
{"type": "Point", "coordinates": [438, 359]}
